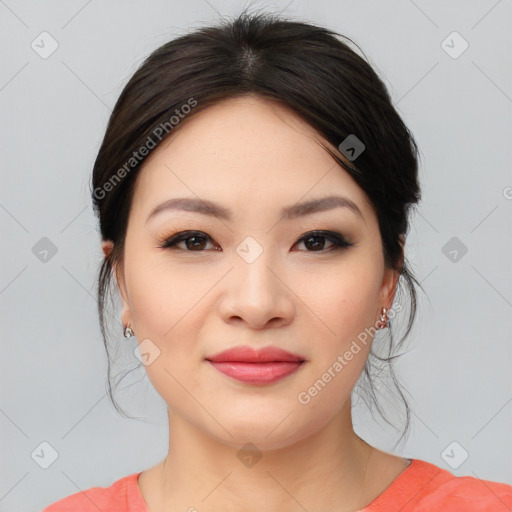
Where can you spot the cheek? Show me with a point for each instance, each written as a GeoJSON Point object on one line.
{"type": "Point", "coordinates": [168, 308]}
{"type": "Point", "coordinates": [161, 298]}
{"type": "Point", "coordinates": [345, 298]}
{"type": "Point", "coordinates": [162, 305]}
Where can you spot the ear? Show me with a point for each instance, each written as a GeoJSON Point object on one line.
{"type": "Point", "coordinates": [107, 246]}
{"type": "Point", "coordinates": [390, 280]}
{"type": "Point", "coordinates": [126, 317]}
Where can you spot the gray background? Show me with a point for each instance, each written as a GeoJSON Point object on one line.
{"type": "Point", "coordinates": [54, 112]}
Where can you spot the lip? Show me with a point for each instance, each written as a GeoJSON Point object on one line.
{"type": "Point", "coordinates": [262, 366]}
{"type": "Point", "coordinates": [246, 354]}
{"type": "Point", "coordinates": [257, 373]}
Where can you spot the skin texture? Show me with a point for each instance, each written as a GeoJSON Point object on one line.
{"type": "Point", "coordinates": [254, 156]}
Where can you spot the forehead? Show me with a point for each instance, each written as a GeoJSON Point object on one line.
{"type": "Point", "coordinates": [244, 152]}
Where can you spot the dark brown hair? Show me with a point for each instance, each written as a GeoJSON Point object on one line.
{"type": "Point", "coordinates": [304, 67]}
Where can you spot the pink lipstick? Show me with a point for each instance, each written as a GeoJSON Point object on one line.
{"type": "Point", "coordinates": [262, 366]}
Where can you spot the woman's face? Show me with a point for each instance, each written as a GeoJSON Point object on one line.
{"type": "Point", "coordinates": [245, 280]}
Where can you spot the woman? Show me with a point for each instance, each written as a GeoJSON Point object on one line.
{"type": "Point", "coordinates": [253, 190]}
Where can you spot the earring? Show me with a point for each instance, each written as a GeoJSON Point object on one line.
{"type": "Point", "coordinates": [383, 321]}
{"type": "Point", "coordinates": [128, 333]}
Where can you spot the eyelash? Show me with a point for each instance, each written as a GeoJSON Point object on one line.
{"type": "Point", "coordinates": [338, 240]}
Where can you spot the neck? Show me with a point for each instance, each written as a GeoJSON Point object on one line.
{"type": "Point", "coordinates": [328, 470]}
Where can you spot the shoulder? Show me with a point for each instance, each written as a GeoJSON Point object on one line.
{"type": "Point", "coordinates": [107, 499]}
{"type": "Point", "coordinates": [449, 493]}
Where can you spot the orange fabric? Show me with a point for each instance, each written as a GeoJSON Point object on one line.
{"type": "Point", "coordinates": [421, 487]}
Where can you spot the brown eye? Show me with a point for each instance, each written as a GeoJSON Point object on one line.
{"type": "Point", "coordinates": [195, 241]}
{"type": "Point", "coordinates": [315, 240]}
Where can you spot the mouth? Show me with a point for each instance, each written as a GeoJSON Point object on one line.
{"type": "Point", "coordinates": [263, 366]}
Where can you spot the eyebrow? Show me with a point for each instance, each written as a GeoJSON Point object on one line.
{"type": "Point", "coordinates": [205, 207]}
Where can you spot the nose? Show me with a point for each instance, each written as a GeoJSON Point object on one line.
{"type": "Point", "coordinates": [256, 292]}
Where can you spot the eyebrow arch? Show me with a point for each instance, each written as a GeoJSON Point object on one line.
{"type": "Point", "coordinates": [205, 207]}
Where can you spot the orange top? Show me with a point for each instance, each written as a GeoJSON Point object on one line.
{"type": "Point", "coordinates": [420, 487]}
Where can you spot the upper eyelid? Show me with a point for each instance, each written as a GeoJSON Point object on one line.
{"type": "Point", "coordinates": [183, 235]}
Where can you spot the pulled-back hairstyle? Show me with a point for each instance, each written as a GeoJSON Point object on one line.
{"type": "Point", "coordinates": [304, 67]}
